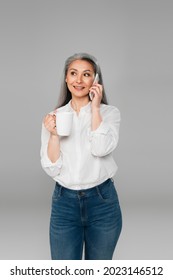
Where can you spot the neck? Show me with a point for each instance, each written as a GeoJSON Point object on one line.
{"type": "Point", "coordinates": [78, 103]}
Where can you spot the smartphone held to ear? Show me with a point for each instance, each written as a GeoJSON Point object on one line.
{"type": "Point", "coordinates": [96, 80]}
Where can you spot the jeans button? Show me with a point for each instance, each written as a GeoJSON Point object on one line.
{"type": "Point", "coordinates": [81, 193]}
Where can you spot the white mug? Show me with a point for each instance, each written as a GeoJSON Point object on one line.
{"type": "Point", "coordinates": [64, 122]}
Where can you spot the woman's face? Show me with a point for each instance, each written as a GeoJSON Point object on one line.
{"type": "Point", "coordinates": [80, 77]}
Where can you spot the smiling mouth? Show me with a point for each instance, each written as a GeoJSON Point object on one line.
{"type": "Point", "coordinates": [79, 87]}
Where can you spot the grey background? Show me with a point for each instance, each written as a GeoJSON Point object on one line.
{"type": "Point", "coordinates": [133, 43]}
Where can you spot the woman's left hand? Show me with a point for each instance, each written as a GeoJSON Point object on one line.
{"type": "Point", "coordinates": [96, 90]}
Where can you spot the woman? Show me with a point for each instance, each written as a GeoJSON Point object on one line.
{"type": "Point", "coordinates": [85, 207]}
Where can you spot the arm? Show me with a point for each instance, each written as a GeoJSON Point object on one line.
{"type": "Point", "coordinates": [105, 138]}
{"type": "Point", "coordinates": [53, 149]}
{"type": "Point", "coordinates": [96, 118]}
{"type": "Point", "coordinates": [51, 159]}
{"type": "Point", "coordinates": [104, 129]}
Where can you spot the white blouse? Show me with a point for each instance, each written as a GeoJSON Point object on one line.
{"type": "Point", "coordinates": [85, 156]}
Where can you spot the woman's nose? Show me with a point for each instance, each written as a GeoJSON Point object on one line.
{"type": "Point", "coordinates": [79, 78]}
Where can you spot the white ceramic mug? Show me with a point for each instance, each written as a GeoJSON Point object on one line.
{"type": "Point", "coordinates": [64, 123]}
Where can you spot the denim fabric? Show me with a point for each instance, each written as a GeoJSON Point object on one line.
{"type": "Point", "coordinates": [89, 219]}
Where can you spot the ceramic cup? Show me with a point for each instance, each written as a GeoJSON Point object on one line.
{"type": "Point", "coordinates": [64, 123]}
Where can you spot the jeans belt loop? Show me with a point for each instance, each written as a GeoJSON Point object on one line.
{"type": "Point", "coordinates": [60, 190]}
{"type": "Point", "coordinates": [98, 190]}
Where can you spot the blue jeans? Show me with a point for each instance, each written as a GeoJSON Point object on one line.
{"type": "Point", "coordinates": [89, 219]}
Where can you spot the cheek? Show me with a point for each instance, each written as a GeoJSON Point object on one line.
{"type": "Point", "coordinates": [89, 82]}
{"type": "Point", "coordinates": [69, 82]}
{"type": "Point", "coordinates": [69, 86]}
{"type": "Point", "coordinates": [69, 79]}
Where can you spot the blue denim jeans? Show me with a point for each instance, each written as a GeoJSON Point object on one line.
{"type": "Point", "coordinates": [88, 220]}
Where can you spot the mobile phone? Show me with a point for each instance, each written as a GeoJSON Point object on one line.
{"type": "Point", "coordinates": [96, 80]}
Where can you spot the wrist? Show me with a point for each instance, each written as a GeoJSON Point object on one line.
{"type": "Point", "coordinates": [96, 118]}
{"type": "Point", "coordinates": [95, 109]}
{"type": "Point", "coordinates": [54, 137]}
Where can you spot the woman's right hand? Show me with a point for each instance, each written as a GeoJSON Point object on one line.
{"type": "Point", "coordinates": [50, 123]}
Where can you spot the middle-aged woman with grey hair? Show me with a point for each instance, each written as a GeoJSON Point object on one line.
{"type": "Point", "coordinates": [85, 216]}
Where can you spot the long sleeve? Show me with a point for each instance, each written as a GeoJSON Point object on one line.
{"type": "Point", "coordinates": [52, 169]}
{"type": "Point", "coordinates": [105, 138]}
{"type": "Point", "coordinates": [86, 158]}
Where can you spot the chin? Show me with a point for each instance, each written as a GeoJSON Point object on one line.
{"type": "Point", "coordinates": [80, 95]}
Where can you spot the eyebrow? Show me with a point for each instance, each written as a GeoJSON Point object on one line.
{"type": "Point", "coordinates": [77, 70]}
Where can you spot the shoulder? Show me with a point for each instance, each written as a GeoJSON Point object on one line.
{"type": "Point", "coordinates": [64, 108]}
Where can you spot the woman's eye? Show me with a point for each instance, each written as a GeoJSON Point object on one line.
{"type": "Point", "coordinates": [73, 73]}
{"type": "Point", "coordinates": [87, 75]}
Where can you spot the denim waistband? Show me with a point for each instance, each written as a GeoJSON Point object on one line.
{"type": "Point", "coordinates": [82, 193]}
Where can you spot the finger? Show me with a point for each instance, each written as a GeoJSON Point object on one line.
{"type": "Point", "coordinates": [54, 117]}
{"type": "Point", "coordinates": [49, 123]}
{"type": "Point", "coordinates": [97, 87]}
{"type": "Point", "coordinates": [51, 128]}
{"type": "Point", "coordinates": [94, 88]}
{"type": "Point", "coordinates": [47, 118]}
{"type": "Point", "coordinates": [96, 91]}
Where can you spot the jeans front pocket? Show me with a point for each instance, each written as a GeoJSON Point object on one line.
{"type": "Point", "coordinates": [105, 190]}
{"type": "Point", "coordinates": [56, 194]}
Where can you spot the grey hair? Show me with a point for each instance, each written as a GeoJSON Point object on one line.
{"type": "Point", "coordinates": [65, 94]}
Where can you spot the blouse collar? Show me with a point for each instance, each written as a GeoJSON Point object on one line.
{"type": "Point", "coordinates": [86, 108]}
